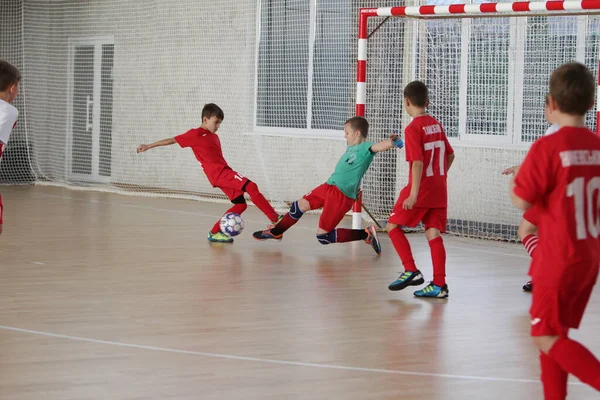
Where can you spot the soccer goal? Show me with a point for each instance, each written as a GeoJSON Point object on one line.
{"type": "Point", "coordinates": [487, 66]}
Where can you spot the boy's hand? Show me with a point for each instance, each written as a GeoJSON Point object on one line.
{"type": "Point", "coordinates": [410, 202]}
{"type": "Point", "coordinates": [397, 141]}
{"type": "Point", "coordinates": [142, 148]}
{"type": "Point", "coordinates": [511, 170]}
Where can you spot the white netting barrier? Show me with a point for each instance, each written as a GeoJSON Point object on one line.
{"type": "Point", "coordinates": [101, 77]}
{"type": "Point", "coordinates": [487, 79]}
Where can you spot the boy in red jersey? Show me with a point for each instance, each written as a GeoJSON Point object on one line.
{"type": "Point", "coordinates": [338, 194]}
{"type": "Point", "coordinates": [528, 230]}
{"type": "Point", "coordinates": [10, 77]}
{"type": "Point", "coordinates": [207, 148]}
{"type": "Point", "coordinates": [425, 198]}
{"type": "Point", "coordinates": [561, 178]}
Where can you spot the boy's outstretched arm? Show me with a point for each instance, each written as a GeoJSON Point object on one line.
{"type": "Point", "coordinates": [387, 144]}
{"type": "Point", "coordinates": [165, 142]}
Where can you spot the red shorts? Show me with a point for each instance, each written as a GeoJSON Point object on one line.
{"type": "Point", "coordinates": [231, 183]}
{"type": "Point", "coordinates": [335, 205]}
{"type": "Point", "coordinates": [555, 310]}
{"type": "Point", "coordinates": [431, 217]}
{"type": "Point", "coordinates": [1, 209]}
{"type": "Point", "coordinates": [532, 216]}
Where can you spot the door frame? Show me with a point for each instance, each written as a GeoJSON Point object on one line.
{"type": "Point", "coordinates": [73, 43]}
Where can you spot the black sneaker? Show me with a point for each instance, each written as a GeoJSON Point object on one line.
{"type": "Point", "coordinates": [372, 239]}
{"type": "Point", "coordinates": [408, 278]}
{"type": "Point", "coordinates": [528, 287]}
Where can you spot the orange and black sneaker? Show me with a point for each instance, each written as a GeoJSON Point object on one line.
{"type": "Point", "coordinates": [266, 234]}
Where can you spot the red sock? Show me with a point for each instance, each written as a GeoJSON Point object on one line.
{"type": "Point", "coordinates": [237, 208]}
{"type": "Point", "coordinates": [575, 359]}
{"type": "Point", "coordinates": [438, 259]}
{"type": "Point", "coordinates": [402, 247]}
{"type": "Point", "coordinates": [349, 235]}
{"type": "Point", "coordinates": [259, 201]}
{"type": "Point", "coordinates": [530, 242]}
{"type": "Point", "coordinates": [554, 379]}
{"type": "Point", "coordinates": [286, 223]}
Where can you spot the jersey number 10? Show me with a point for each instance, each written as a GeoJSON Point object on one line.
{"type": "Point", "coordinates": [431, 146]}
{"type": "Point", "coordinates": [579, 191]}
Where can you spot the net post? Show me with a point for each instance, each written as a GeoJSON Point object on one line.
{"type": "Point", "coordinates": [361, 95]}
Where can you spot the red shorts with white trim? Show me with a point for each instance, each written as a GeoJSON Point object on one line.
{"type": "Point", "coordinates": [231, 183]}
{"type": "Point", "coordinates": [532, 215]}
{"type": "Point", "coordinates": [554, 310]}
{"type": "Point", "coordinates": [436, 218]}
{"type": "Point", "coordinates": [335, 205]}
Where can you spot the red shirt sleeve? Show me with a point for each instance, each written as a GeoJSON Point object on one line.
{"type": "Point", "coordinates": [186, 139]}
{"type": "Point", "coordinates": [414, 145]}
{"type": "Point", "coordinates": [534, 177]}
{"type": "Point", "coordinates": [449, 149]}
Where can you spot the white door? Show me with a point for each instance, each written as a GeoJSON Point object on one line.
{"type": "Point", "coordinates": [90, 109]}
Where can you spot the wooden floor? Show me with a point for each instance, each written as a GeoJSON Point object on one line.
{"type": "Point", "coordinates": [116, 297]}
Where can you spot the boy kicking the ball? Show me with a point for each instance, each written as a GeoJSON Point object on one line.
{"type": "Point", "coordinates": [338, 194]}
{"type": "Point", "coordinates": [425, 198]}
{"type": "Point", "coordinates": [206, 146]}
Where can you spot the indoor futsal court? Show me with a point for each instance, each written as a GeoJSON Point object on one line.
{"type": "Point", "coordinates": [115, 279]}
{"type": "Point", "coordinates": [118, 297]}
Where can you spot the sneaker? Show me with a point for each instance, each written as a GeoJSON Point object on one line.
{"type": "Point", "coordinates": [431, 290]}
{"type": "Point", "coordinates": [266, 234]}
{"type": "Point", "coordinates": [219, 237]}
{"type": "Point", "coordinates": [528, 287]}
{"type": "Point", "coordinates": [372, 239]}
{"type": "Point", "coordinates": [408, 278]}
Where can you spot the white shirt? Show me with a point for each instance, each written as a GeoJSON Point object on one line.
{"type": "Point", "coordinates": [8, 117]}
{"type": "Point", "coordinates": [552, 129]}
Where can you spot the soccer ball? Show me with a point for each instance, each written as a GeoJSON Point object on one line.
{"type": "Point", "coordinates": [232, 224]}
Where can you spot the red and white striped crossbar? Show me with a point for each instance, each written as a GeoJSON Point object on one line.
{"type": "Point", "coordinates": [516, 8]}
{"type": "Point", "coordinates": [519, 8]}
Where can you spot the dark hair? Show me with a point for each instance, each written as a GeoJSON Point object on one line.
{"type": "Point", "coordinates": [416, 92]}
{"type": "Point", "coordinates": [9, 75]}
{"type": "Point", "coordinates": [212, 110]}
{"type": "Point", "coordinates": [547, 99]}
{"type": "Point", "coordinates": [359, 124]}
{"type": "Point", "coordinates": [572, 86]}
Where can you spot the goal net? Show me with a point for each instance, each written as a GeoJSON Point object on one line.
{"type": "Point", "coordinates": [487, 67]}
{"type": "Point", "coordinates": [103, 76]}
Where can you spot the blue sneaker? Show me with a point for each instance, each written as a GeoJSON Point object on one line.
{"type": "Point", "coordinates": [408, 278]}
{"type": "Point", "coordinates": [373, 240]}
{"type": "Point", "coordinates": [431, 290]}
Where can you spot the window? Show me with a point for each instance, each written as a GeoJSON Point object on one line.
{"type": "Point", "coordinates": [305, 65]}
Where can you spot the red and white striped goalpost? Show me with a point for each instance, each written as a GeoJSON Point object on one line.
{"type": "Point", "coordinates": [516, 9]}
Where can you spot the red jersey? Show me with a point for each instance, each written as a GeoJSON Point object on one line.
{"type": "Point", "coordinates": [561, 178]}
{"type": "Point", "coordinates": [426, 141]}
{"type": "Point", "coordinates": [207, 149]}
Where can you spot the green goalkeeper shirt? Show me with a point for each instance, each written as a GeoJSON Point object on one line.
{"type": "Point", "coordinates": [351, 168]}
